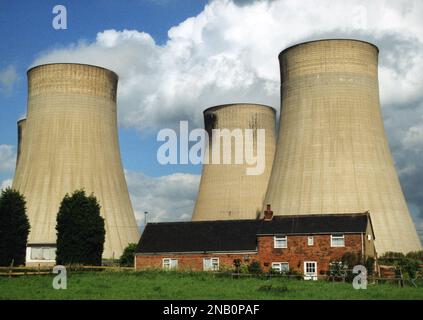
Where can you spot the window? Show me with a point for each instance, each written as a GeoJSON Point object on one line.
{"type": "Point", "coordinates": [337, 240]}
{"type": "Point", "coordinates": [280, 266]}
{"type": "Point", "coordinates": [310, 270]}
{"type": "Point", "coordinates": [170, 264]}
{"type": "Point", "coordinates": [310, 241]}
{"type": "Point", "coordinates": [43, 253]}
{"type": "Point", "coordinates": [280, 242]}
{"type": "Point", "coordinates": [211, 264]}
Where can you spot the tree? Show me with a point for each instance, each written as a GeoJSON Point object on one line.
{"type": "Point", "coordinates": [127, 257]}
{"type": "Point", "coordinates": [370, 265]}
{"type": "Point", "coordinates": [80, 230]}
{"type": "Point", "coordinates": [255, 268]}
{"type": "Point", "coordinates": [407, 264]}
{"type": "Point", "coordinates": [416, 255]}
{"type": "Point", "coordinates": [350, 259]}
{"type": "Point", "coordinates": [14, 228]}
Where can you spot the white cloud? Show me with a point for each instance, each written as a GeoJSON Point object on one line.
{"type": "Point", "coordinates": [7, 164]}
{"type": "Point", "coordinates": [5, 184]}
{"type": "Point", "coordinates": [228, 53]}
{"type": "Point", "coordinates": [8, 79]}
{"type": "Point", "coordinates": [413, 138]}
{"type": "Point", "coordinates": [7, 158]}
{"type": "Point", "coordinates": [166, 198]}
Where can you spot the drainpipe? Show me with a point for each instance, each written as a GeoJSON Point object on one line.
{"type": "Point", "coordinates": [362, 246]}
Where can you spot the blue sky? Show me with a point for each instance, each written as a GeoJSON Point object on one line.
{"type": "Point", "coordinates": [177, 57]}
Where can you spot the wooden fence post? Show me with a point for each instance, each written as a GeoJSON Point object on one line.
{"type": "Point", "coordinates": [11, 268]}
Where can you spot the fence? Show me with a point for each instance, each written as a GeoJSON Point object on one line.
{"type": "Point", "coordinates": [45, 270]}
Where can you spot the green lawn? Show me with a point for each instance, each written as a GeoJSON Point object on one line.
{"type": "Point", "coordinates": [170, 285]}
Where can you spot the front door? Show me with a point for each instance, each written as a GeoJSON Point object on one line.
{"type": "Point", "coordinates": [310, 270]}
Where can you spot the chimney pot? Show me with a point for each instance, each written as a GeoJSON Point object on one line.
{"type": "Point", "coordinates": [268, 213]}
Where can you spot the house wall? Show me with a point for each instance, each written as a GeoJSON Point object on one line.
{"type": "Point", "coordinates": [369, 247]}
{"type": "Point", "coordinates": [297, 252]}
{"type": "Point", "coordinates": [188, 261]}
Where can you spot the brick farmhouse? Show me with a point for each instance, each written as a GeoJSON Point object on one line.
{"type": "Point", "coordinates": [304, 243]}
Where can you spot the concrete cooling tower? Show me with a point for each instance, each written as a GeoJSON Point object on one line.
{"type": "Point", "coordinates": [69, 141]}
{"type": "Point", "coordinates": [226, 190]}
{"type": "Point", "coordinates": [332, 153]}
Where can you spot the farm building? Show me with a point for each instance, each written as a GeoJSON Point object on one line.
{"type": "Point", "coordinates": [304, 243]}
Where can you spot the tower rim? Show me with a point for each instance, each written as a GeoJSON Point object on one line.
{"type": "Point", "coordinates": [327, 39]}
{"type": "Point", "coordinates": [71, 63]}
{"type": "Point", "coordinates": [220, 106]}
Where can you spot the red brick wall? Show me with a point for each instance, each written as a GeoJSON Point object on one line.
{"type": "Point", "coordinates": [189, 261]}
{"type": "Point", "coordinates": [297, 252]}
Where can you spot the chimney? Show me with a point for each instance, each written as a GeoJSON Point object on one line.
{"type": "Point", "coordinates": [268, 213]}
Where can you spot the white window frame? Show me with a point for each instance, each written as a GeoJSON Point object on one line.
{"type": "Point", "coordinates": [276, 240]}
{"type": "Point", "coordinates": [337, 237]}
{"type": "Point", "coordinates": [310, 241]}
{"type": "Point", "coordinates": [167, 264]}
{"type": "Point", "coordinates": [47, 254]}
{"type": "Point", "coordinates": [277, 266]}
{"type": "Point", "coordinates": [214, 264]}
{"type": "Point", "coordinates": [310, 275]}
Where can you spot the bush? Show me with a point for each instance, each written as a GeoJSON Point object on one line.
{"type": "Point", "coordinates": [128, 255]}
{"type": "Point", "coordinates": [416, 255]}
{"type": "Point", "coordinates": [408, 264]}
{"type": "Point", "coordinates": [14, 228]}
{"type": "Point", "coordinates": [80, 230]}
{"type": "Point", "coordinates": [226, 269]}
{"type": "Point", "coordinates": [336, 269]}
{"type": "Point", "coordinates": [370, 265]}
{"type": "Point", "coordinates": [390, 255]}
{"type": "Point", "coordinates": [237, 265]}
{"type": "Point", "coordinates": [350, 259]}
{"type": "Point", "coordinates": [255, 268]}
{"type": "Point", "coordinates": [294, 272]}
{"type": "Point", "coordinates": [274, 271]}
{"type": "Point", "coordinates": [244, 268]}
{"type": "Point", "coordinates": [410, 267]}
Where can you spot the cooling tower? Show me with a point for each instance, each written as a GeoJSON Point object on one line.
{"type": "Point", "coordinates": [332, 153]}
{"type": "Point", "coordinates": [227, 191]}
{"type": "Point", "coordinates": [69, 141]}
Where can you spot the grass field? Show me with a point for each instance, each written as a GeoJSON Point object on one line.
{"type": "Point", "coordinates": [171, 285]}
